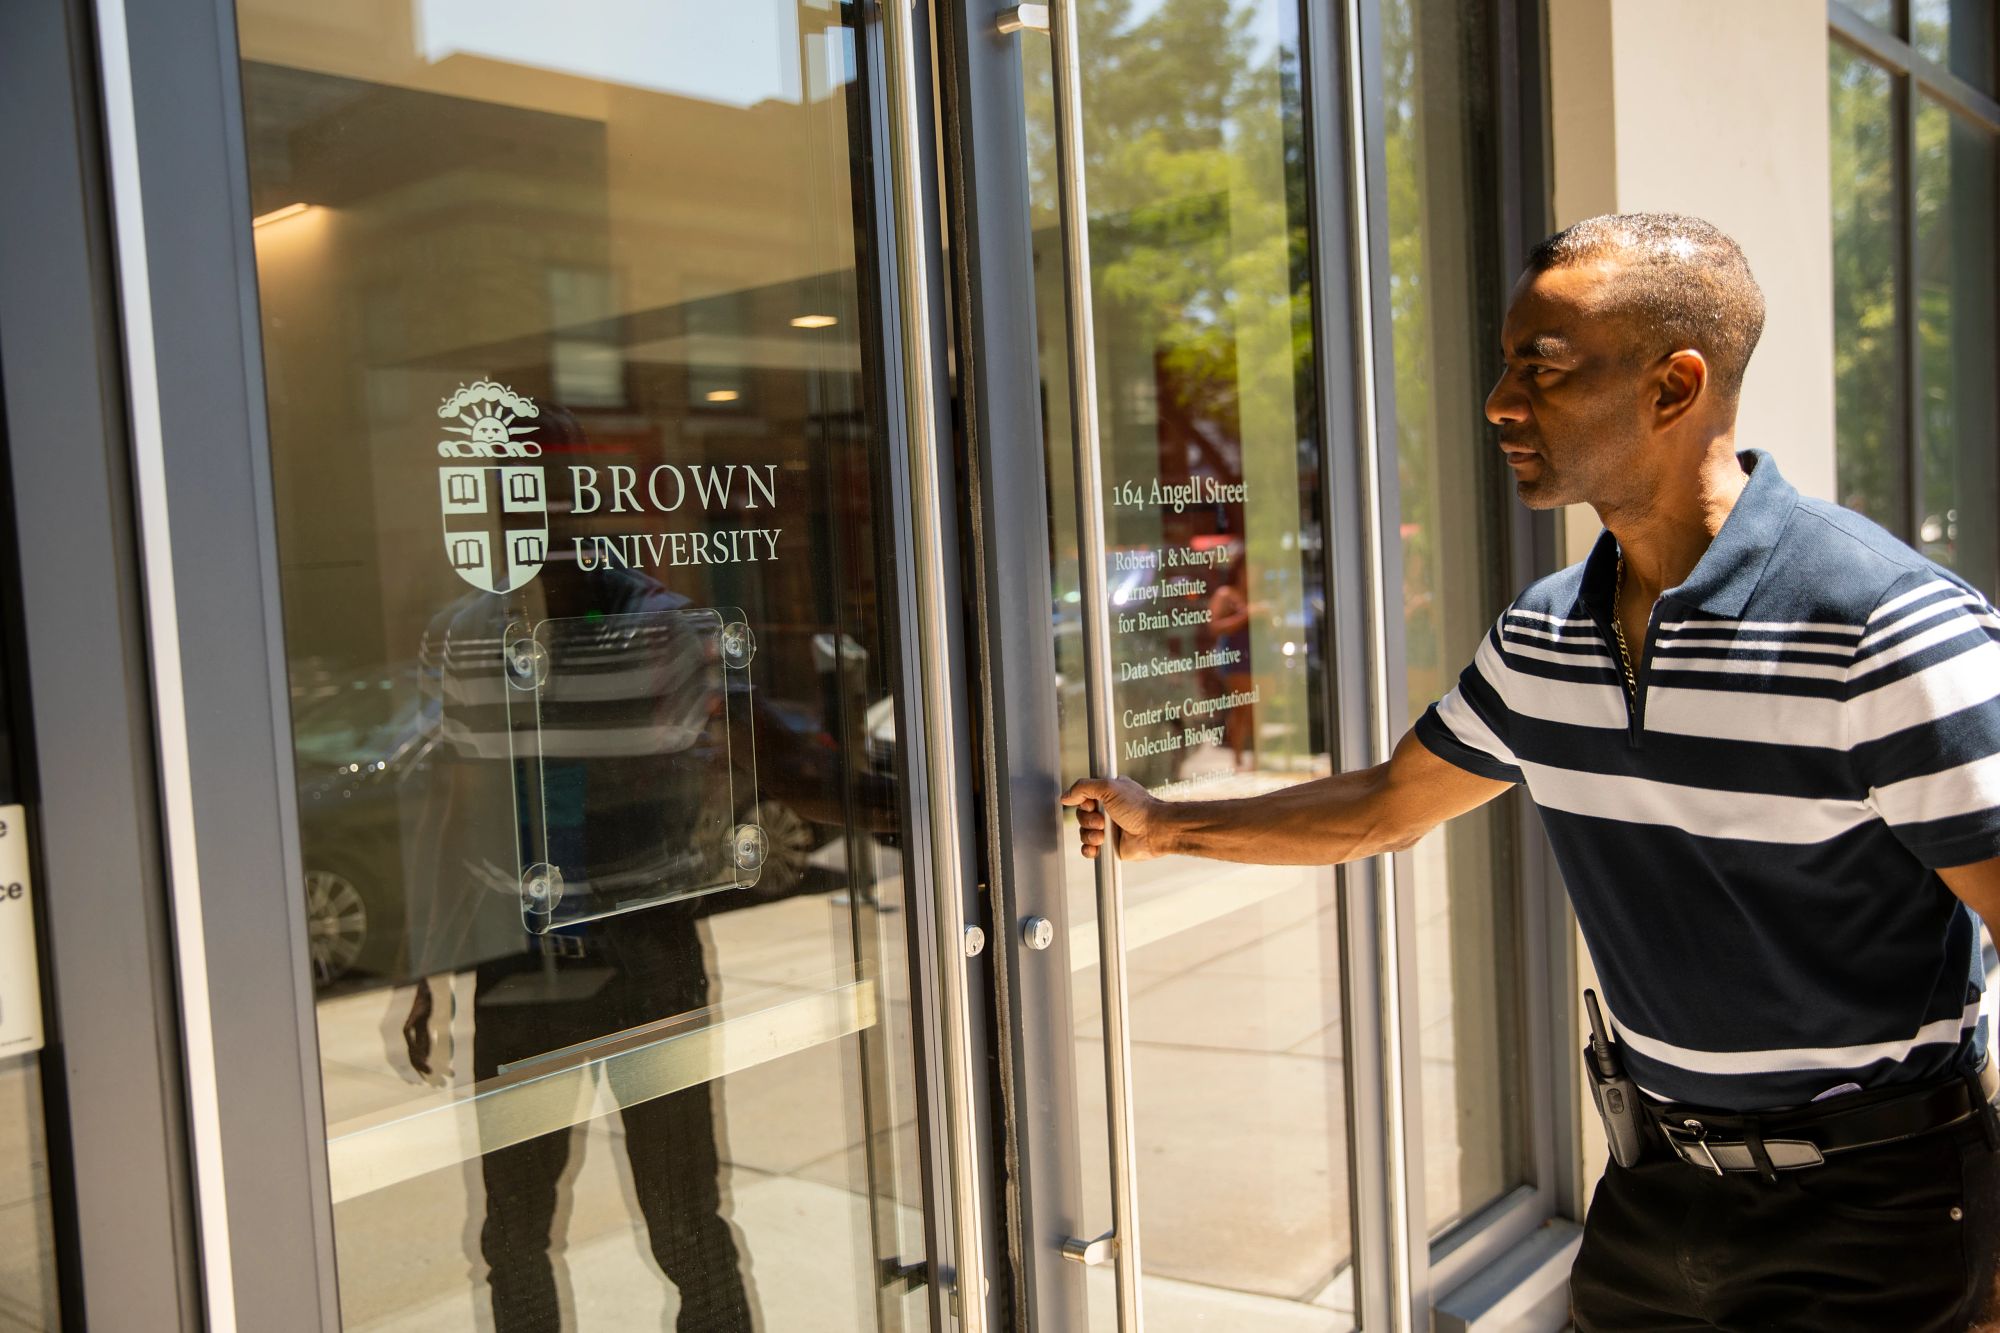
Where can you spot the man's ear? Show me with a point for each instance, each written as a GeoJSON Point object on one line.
{"type": "Point", "coordinates": [1682, 384]}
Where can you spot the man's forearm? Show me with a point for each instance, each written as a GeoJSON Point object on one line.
{"type": "Point", "coordinates": [1327, 820]}
{"type": "Point", "coordinates": [1341, 818]}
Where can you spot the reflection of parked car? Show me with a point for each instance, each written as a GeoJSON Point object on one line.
{"type": "Point", "coordinates": [790, 735]}
{"type": "Point", "coordinates": [359, 746]}
{"type": "Point", "coordinates": [365, 745]}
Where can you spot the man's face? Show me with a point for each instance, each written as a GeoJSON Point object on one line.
{"type": "Point", "coordinates": [1571, 402]}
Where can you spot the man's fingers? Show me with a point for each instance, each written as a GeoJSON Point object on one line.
{"type": "Point", "coordinates": [1086, 789]}
{"type": "Point", "coordinates": [1090, 798]}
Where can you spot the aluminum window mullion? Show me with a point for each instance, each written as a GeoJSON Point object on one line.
{"type": "Point", "coordinates": [1902, 59]}
{"type": "Point", "coordinates": [1909, 415]}
{"type": "Point", "coordinates": [1334, 157]}
{"type": "Point", "coordinates": [1378, 921]}
{"type": "Point", "coordinates": [1547, 926]}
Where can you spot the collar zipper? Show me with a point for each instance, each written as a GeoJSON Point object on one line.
{"type": "Point", "coordinates": [1629, 686]}
{"type": "Point", "coordinates": [1634, 680]}
{"type": "Point", "coordinates": [1638, 700]}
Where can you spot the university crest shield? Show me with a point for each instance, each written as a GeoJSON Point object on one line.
{"type": "Point", "coordinates": [496, 514]}
{"type": "Point", "coordinates": [496, 524]}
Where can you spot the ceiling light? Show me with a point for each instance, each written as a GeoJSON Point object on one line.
{"type": "Point", "coordinates": [723, 395]}
{"type": "Point", "coordinates": [814, 322]}
{"type": "Point", "coordinates": [279, 214]}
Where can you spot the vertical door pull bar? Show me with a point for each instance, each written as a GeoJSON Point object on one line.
{"type": "Point", "coordinates": [1119, 1246]}
{"type": "Point", "coordinates": [909, 131]}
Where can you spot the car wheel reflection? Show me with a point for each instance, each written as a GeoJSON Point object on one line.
{"type": "Point", "coordinates": [336, 924]}
{"type": "Point", "coordinates": [791, 840]}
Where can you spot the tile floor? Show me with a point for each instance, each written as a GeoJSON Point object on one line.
{"type": "Point", "coordinates": [27, 1298]}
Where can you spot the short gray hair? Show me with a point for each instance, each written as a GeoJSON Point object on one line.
{"type": "Point", "coordinates": [1685, 282]}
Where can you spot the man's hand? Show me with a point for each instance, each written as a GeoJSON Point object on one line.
{"type": "Point", "coordinates": [1323, 822]}
{"type": "Point", "coordinates": [1120, 805]}
{"type": "Point", "coordinates": [417, 1030]}
{"type": "Point", "coordinates": [417, 1035]}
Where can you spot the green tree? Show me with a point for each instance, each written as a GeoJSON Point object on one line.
{"type": "Point", "coordinates": [1865, 338]}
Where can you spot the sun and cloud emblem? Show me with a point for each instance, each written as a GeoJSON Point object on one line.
{"type": "Point", "coordinates": [489, 416]}
{"type": "Point", "coordinates": [496, 515]}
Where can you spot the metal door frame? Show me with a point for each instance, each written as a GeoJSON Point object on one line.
{"type": "Point", "coordinates": [180, 206]}
{"type": "Point", "coordinates": [998, 383]}
{"type": "Point", "coordinates": [113, 1069]}
{"type": "Point", "coordinates": [999, 387]}
{"type": "Point", "coordinates": [949, 946]}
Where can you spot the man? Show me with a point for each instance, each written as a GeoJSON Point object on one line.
{"type": "Point", "coordinates": [1764, 738]}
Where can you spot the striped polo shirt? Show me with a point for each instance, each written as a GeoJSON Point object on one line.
{"type": "Point", "coordinates": [1752, 846]}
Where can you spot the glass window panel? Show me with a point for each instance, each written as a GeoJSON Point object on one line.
{"type": "Point", "coordinates": [1959, 35]}
{"type": "Point", "coordinates": [564, 320]}
{"type": "Point", "coordinates": [1455, 582]}
{"type": "Point", "coordinates": [1954, 178]}
{"type": "Point", "coordinates": [1867, 392]}
{"type": "Point", "coordinates": [1881, 13]}
{"type": "Point", "coordinates": [1197, 190]}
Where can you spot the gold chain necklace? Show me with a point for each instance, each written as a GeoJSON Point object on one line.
{"type": "Point", "coordinates": [1618, 631]}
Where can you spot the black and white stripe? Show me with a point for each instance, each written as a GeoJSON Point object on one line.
{"type": "Point", "coordinates": [1753, 859]}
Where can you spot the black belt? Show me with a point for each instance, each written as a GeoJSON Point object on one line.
{"type": "Point", "coordinates": [1805, 1136]}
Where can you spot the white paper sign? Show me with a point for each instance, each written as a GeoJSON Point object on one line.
{"type": "Point", "coordinates": [20, 973]}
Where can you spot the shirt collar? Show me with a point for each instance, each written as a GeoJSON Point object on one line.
{"type": "Point", "coordinates": [1729, 569]}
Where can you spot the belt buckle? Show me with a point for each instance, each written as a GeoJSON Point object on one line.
{"type": "Point", "coordinates": [1700, 1132]}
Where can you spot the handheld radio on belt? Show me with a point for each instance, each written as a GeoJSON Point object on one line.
{"type": "Point", "coordinates": [1616, 1096]}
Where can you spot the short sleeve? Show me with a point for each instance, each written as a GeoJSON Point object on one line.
{"type": "Point", "coordinates": [1923, 718]}
{"type": "Point", "coordinates": [1470, 725]}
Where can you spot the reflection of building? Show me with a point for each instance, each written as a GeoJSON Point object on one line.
{"type": "Point", "coordinates": [224, 338]}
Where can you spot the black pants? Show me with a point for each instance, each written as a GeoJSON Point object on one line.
{"type": "Point", "coordinates": [1902, 1237]}
{"type": "Point", "coordinates": [638, 971]}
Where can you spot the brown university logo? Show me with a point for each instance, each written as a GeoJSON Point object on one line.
{"type": "Point", "coordinates": [496, 513]}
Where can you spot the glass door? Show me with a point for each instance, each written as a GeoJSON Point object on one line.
{"type": "Point", "coordinates": [29, 1300]}
{"type": "Point", "coordinates": [1174, 306]}
{"type": "Point", "coordinates": [572, 342]}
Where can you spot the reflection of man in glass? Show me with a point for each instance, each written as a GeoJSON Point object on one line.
{"type": "Point", "coordinates": [1229, 630]}
{"type": "Point", "coordinates": [615, 799]}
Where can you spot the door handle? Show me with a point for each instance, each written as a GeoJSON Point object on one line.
{"type": "Point", "coordinates": [909, 130]}
{"type": "Point", "coordinates": [1020, 18]}
{"type": "Point", "coordinates": [1120, 1245]}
